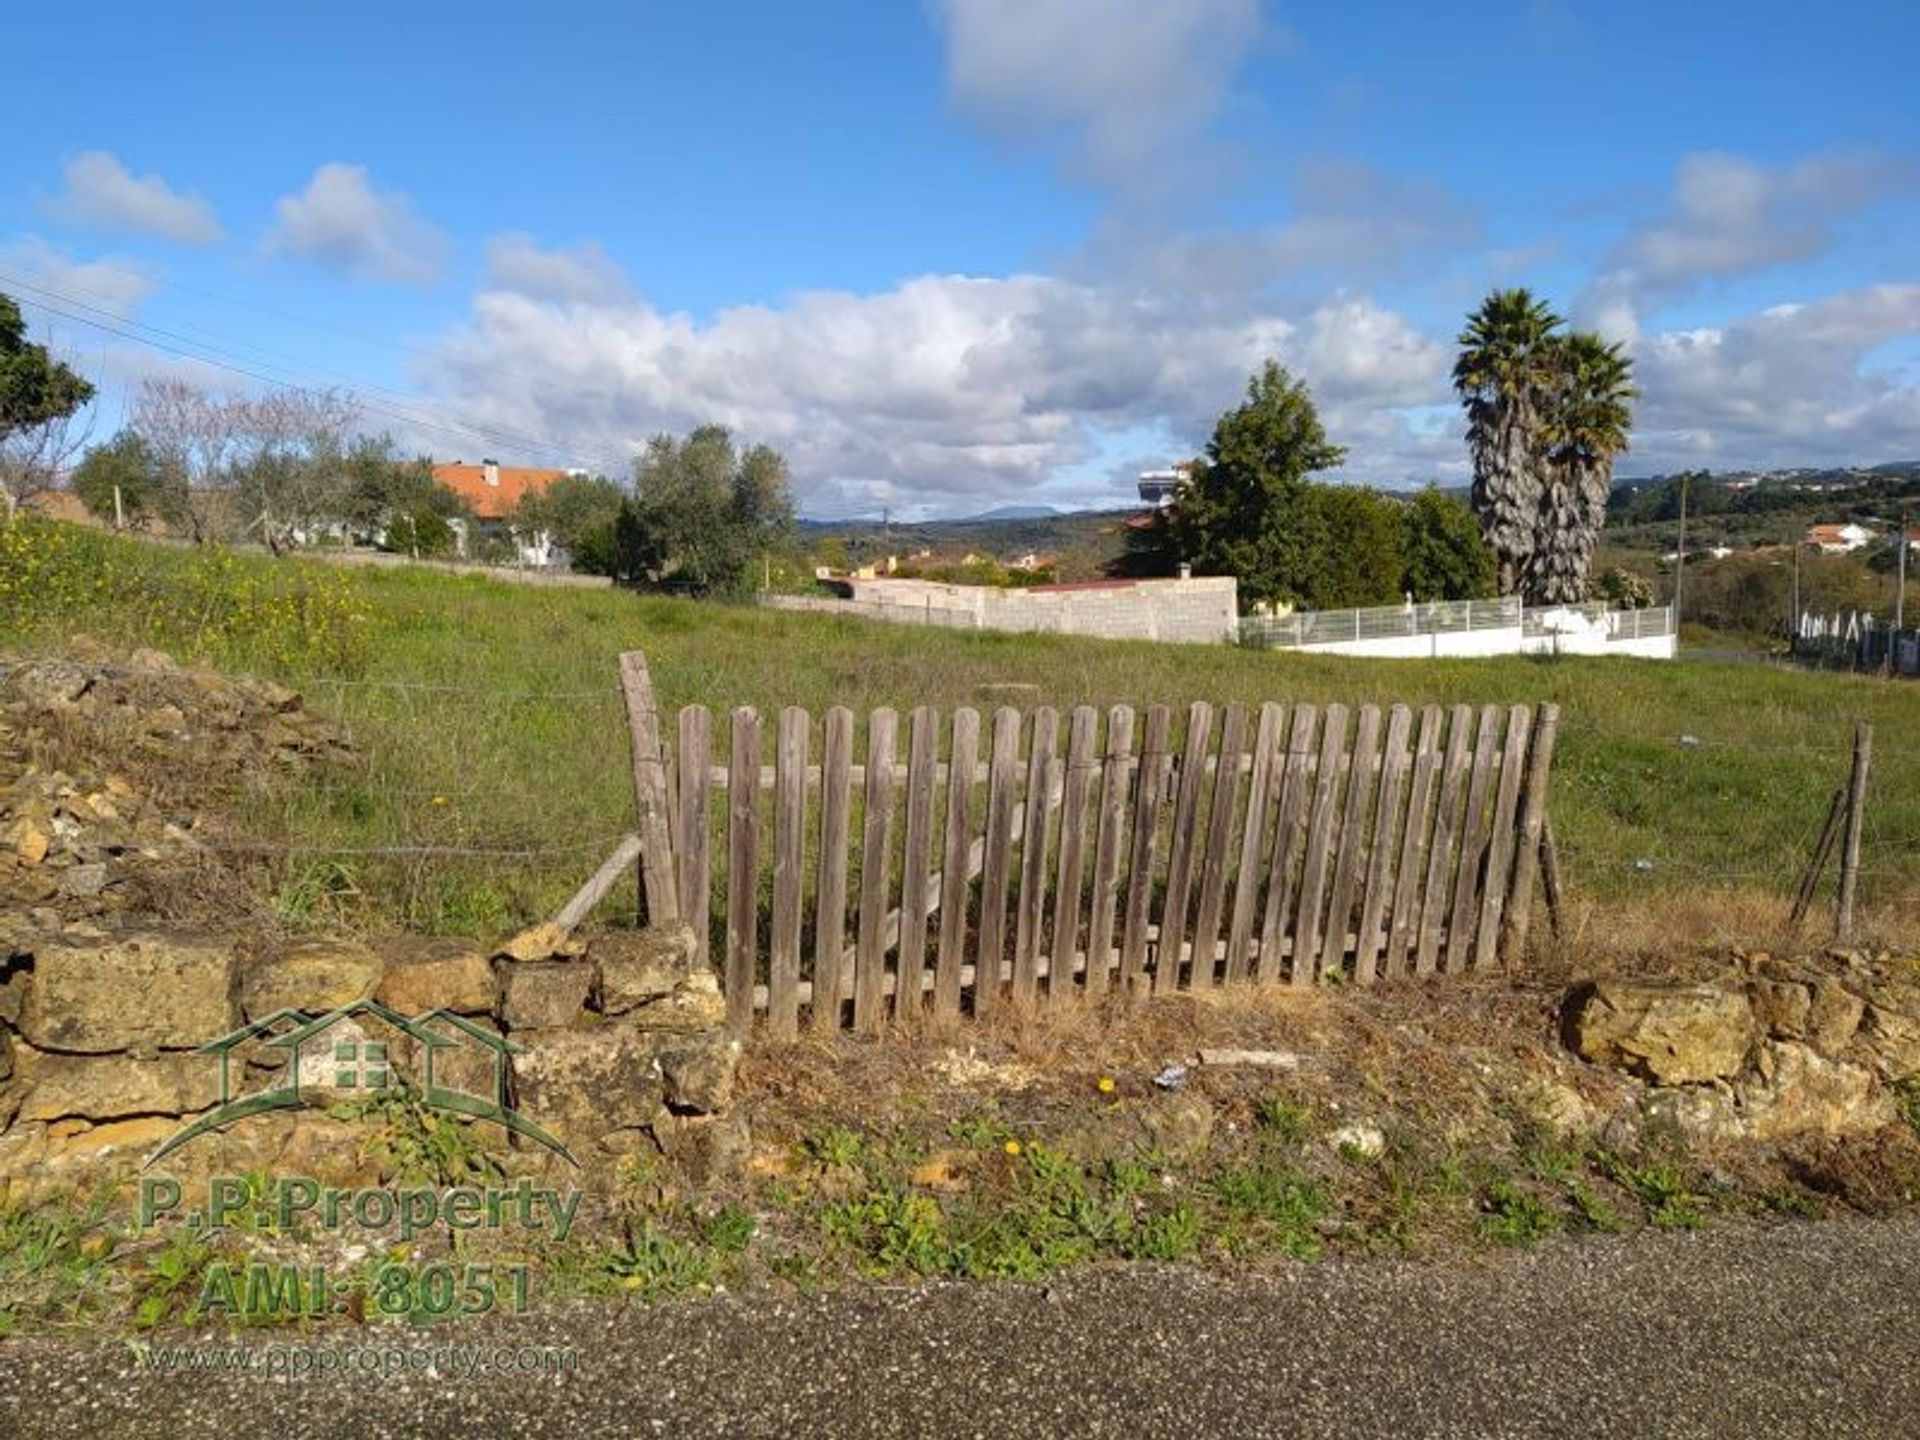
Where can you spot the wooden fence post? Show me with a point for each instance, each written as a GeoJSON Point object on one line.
{"type": "Point", "coordinates": [1856, 810]}
{"type": "Point", "coordinates": [1810, 880]}
{"type": "Point", "coordinates": [876, 864]}
{"type": "Point", "coordinates": [789, 849]}
{"type": "Point", "coordinates": [830, 904]}
{"type": "Point", "coordinates": [1533, 824]}
{"type": "Point", "coordinates": [658, 883]}
{"type": "Point", "coordinates": [743, 865]}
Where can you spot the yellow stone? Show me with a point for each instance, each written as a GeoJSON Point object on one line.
{"type": "Point", "coordinates": [32, 845]}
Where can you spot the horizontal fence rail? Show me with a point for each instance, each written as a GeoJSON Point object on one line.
{"type": "Point", "coordinates": [1529, 627]}
{"type": "Point", "coordinates": [896, 866]}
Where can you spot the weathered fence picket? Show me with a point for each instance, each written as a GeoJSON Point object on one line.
{"type": "Point", "coordinates": [1268, 844]}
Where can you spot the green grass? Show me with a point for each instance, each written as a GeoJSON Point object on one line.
{"type": "Point", "coordinates": [522, 747]}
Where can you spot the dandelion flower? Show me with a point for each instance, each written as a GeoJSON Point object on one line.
{"type": "Point", "coordinates": [1105, 1085]}
{"type": "Point", "coordinates": [1013, 1147]}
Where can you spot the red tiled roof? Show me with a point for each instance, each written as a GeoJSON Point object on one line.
{"type": "Point", "coordinates": [496, 501]}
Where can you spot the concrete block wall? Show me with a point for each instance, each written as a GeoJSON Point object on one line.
{"type": "Point", "coordinates": [1198, 611]}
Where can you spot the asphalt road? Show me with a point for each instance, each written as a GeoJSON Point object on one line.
{"type": "Point", "coordinates": [1803, 1330]}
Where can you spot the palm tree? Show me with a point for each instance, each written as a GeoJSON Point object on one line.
{"type": "Point", "coordinates": [1584, 427]}
{"type": "Point", "coordinates": [1506, 365]}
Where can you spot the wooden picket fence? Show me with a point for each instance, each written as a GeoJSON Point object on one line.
{"type": "Point", "coordinates": [1268, 844]}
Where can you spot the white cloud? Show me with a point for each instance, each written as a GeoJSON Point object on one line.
{"type": "Point", "coordinates": [517, 262]}
{"type": "Point", "coordinates": [341, 221]}
{"type": "Point", "coordinates": [1789, 386]}
{"type": "Point", "coordinates": [53, 277]}
{"type": "Point", "coordinates": [946, 393]}
{"type": "Point", "coordinates": [1350, 224]}
{"type": "Point", "coordinates": [102, 192]}
{"type": "Point", "coordinates": [1730, 216]}
{"type": "Point", "coordinates": [1126, 88]}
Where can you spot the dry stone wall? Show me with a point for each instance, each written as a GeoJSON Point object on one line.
{"type": "Point", "coordinates": [618, 1045]}
{"type": "Point", "coordinates": [1779, 1049]}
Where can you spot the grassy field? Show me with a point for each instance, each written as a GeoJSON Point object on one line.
{"type": "Point", "coordinates": [488, 718]}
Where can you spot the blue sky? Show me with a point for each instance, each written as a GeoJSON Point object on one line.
{"type": "Point", "coordinates": [968, 252]}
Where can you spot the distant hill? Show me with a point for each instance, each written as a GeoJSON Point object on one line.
{"type": "Point", "coordinates": [1084, 540]}
{"type": "Point", "coordinates": [1743, 508]}
{"type": "Point", "coordinates": [1014, 512]}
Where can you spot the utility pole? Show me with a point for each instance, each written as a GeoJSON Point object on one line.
{"type": "Point", "coordinates": [1900, 571]}
{"type": "Point", "coordinates": [119, 514]}
{"type": "Point", "coordinates": [1793, 620]}
{"type": "Point", "coordinates": [1680, 560]}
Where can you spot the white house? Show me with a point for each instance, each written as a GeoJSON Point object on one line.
{"type": "Point", "coordinates": [1838, 539]}
{"type": "Point", "coordinates": [493, 493]}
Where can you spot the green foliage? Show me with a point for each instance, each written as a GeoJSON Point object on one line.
{"type": "Point", "coordinates": [835, 1146]}
{"type": "Point", "coordinates": [1446, 558]}
{"type": "Point", "coordinates": [1251, 510]}
{"type": "Point", "coordinates": [388, 497]}
{"type": "Point", "coordinates": [1662, 1185]}
{"type": "Point", "coordinates": [1285, 1119]}
{"type": "Point", "coordinates": [1515, 1216]}
{"type": "Point", "coordinates": [579, 513]}
{"type": "Point", "coordinates": [1248, 510]}
{"type": "Point", "coordinates": [35, 388]}
{"type": "Point", "coordinates": [54, 1259]}
{"type": "Point", "coordinates": [1621, 587]}
{"type": "Point", "coordinates": [1170, 1236]}
{"type": "Point", "coordinates": [1547, 413]}
{"type": "Point", "coordinates": [658, 1264]}
{"type": "Point", "coordinates": [1287, 1204]}
{"type": "Point", "coordinates": [1906, 1099]}
{"type": "Point", "coordinates": [173, 1276]}
{"type": "Point", "coordinates": [420, 532]}
{"type": "Point", "coordinates": [1366, 557]}
{"type": "Point", "coordinates": [125, 463]}
{"type": "Point", "coordinates": [409, 1142]}
{"type": "Point", "coordinates": [729, 1230]}
{"type": "Point", "coordinates": [56, 579]}
{"type": "Point", "coordinates": [981, 570]}
{"type": "Point", "coordinates": [702, 514]}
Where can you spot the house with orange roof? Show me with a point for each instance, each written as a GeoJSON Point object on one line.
{"type": "Point", "coordinates": [492, 493]}
{"type": "Point", "coordinates": [1838, 539]}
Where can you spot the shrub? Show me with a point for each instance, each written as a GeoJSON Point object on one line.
{"type": "Point", "coordinates": [205, 604]}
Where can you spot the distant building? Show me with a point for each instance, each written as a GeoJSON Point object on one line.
{"type": "Point", "coordinates": [493, 493]}
{"type": "Point", "coordinates": [1161, 487]}
{"type": "Point", "coordinates": [1838, 539]}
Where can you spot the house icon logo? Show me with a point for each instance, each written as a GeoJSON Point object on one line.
{"type": "Point", "coordinates": [361, 1051]}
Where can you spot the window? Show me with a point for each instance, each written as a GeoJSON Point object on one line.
{"type": "Point", "coordinates": [360, 1065]}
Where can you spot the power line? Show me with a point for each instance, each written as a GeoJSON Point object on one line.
{"type": "Point", "coordinates": [372, 399]}
{"type": "Point", "coordinates": [490, 433]}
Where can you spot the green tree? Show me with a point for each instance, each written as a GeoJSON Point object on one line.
{"type": "Point", "coordinates": [578, 512]}
{"type": "Point", "coordinates": [1506, 364]}
{"type": "Point", "coordinates": [1621, 587]}
{"type": "Point", "coordinates": [421, 532]}
{"type": "Point", "coordinates": [117, 480]}
{"type": "Point", "coordinates": [1547, 414]}
{"type": "Point", "coordinates": [1588, 415]}
{"type": "Point", "coordinates": [702, 514]}
{"type": "Point", "coordinates": [1367, 554]}
{"type": "Point", "coordinates": [1249, 509]}
{"type": "Point", "coordinates": [382, 489]}
{"type": "Point", "coordinates": [37, 394]}
{"type": "Point", "coordinates": [1446, 558]}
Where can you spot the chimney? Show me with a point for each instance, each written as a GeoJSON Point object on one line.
{"type": "Point", "coordinates": [491, 469]}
